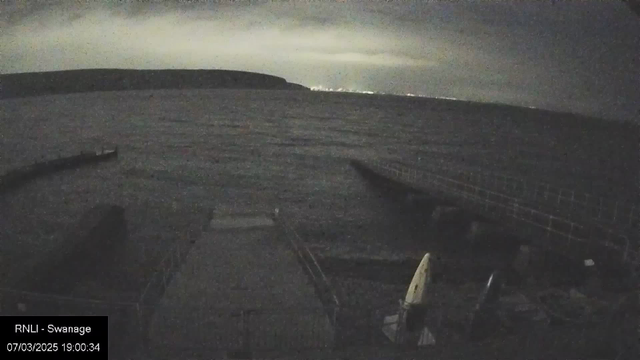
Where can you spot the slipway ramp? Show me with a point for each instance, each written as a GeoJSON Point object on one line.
{"type": "Point", "coordinates": [240, 288]}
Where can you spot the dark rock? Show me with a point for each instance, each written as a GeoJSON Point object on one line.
{"type": "Point", "coordinates": [86, 254]}
{"type": "Point", "coordinates": [619, 336]}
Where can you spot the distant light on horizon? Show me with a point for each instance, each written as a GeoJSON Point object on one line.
{"type": "Point", "coordinates": [471, 51]}
{"type": "Point", "coordinates": [369, 92]}
{"type": "Point", "coordinates": [341, 89]}
{"type": "Point", "coordinates": [446, 98]}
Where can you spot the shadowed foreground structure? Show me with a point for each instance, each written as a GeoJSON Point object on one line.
{"type": "Point", "coordinates": [87, 254]}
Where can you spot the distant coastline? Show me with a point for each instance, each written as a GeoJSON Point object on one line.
{"type": "Point", "coordinates": [88, 80]}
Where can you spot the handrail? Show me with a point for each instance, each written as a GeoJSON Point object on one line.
{"type": "Point", "coordinates": [314, 270]}
{"type": "Point", "coordinates": [452, 186]}
{"type": "Point", "coordinates": [617, 211]}
{"type": "Point", "coordinates": [166, 266]}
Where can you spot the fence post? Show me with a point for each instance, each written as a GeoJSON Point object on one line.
{"type": "Point", "coordinates": [546, 192]}
{"type": "Point", "coordinates": [486, 201]}
{"type": "Point", "coordinates": [570, 236]}
{"type": "Point", "coordinates": [559, 196]}
{"type": "Point", "coordinates": [600, 208]}
{"type": "Point", "coordinates": [615, 211]}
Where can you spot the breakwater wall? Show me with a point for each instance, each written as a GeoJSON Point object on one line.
{"type": "Point", "coordinates": [20, 176]}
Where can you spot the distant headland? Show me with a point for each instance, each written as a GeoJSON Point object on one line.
{"type": "Point", "coordinates": [86, 80]}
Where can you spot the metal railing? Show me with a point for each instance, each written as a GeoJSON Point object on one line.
{"type": "Point", "coordinates": [290, 330]}
{"type": "Point", "coordinates": [310, 264]}
{"type": "Point", "coordinates": [125, 322]}
{"type": "Point", "coordinates": [621, 213]}
{"type": "Point", "coordinates": [201, 329]}
{"type": "Point", "coordinates": [553, 230]}
{"type": "Point", "coordinates": [165, 271]}
{"type": "Point", "coordinates": [133, 327]}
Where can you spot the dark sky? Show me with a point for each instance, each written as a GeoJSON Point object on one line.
{"type": "Point", "coordinates": [580, 56]}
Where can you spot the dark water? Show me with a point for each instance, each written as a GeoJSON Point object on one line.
{"type": "Point", "coordinates": [184, 152]}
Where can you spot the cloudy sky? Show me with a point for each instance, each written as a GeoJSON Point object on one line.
{"type": "Point", "coordinates": [581, 56]}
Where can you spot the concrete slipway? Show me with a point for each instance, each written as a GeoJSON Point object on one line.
{"type": "Point", "coordinates": [240, 287]}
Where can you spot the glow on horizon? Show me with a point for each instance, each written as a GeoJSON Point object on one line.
{"type": "Point", "coordinates": [369, 92]}
{"type": "Point", "coordinates": [322, 88]}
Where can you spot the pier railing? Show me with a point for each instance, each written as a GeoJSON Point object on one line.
{"type": "Point", "coordinates": [165, 270]}
{"type": "Point", "coordinates": [311, 266]}
{"type": "Point", "coordinates": [556, 230]}
{"type": "Point", "coordinates": [622, 214]}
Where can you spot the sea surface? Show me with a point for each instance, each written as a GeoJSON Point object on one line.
{"type": "Point", "coordinates": [185, 152]}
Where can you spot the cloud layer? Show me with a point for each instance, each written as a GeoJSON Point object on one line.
{"type": "Point", "coordinates": [567, 56]}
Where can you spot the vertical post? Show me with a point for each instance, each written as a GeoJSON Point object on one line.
{"type": "Point", "coordinates": [626, 249]}
{"type": "Point", "coordinates": [599, 207]}
{"type": "Point", "coordinates": [587, 204]}
{"type": "Point", "coordinates": [546, 192]}
{"type": "Point", "coordinates": [559, 196]}
{"type": "Point", "coordinates": [570, 236]}
{"type": "Point", "coordinates": [486, 201]}
{"type": "Point", "coordinates": [615, 211]}
{"type": "Point", "coordinates": [633, 208]}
